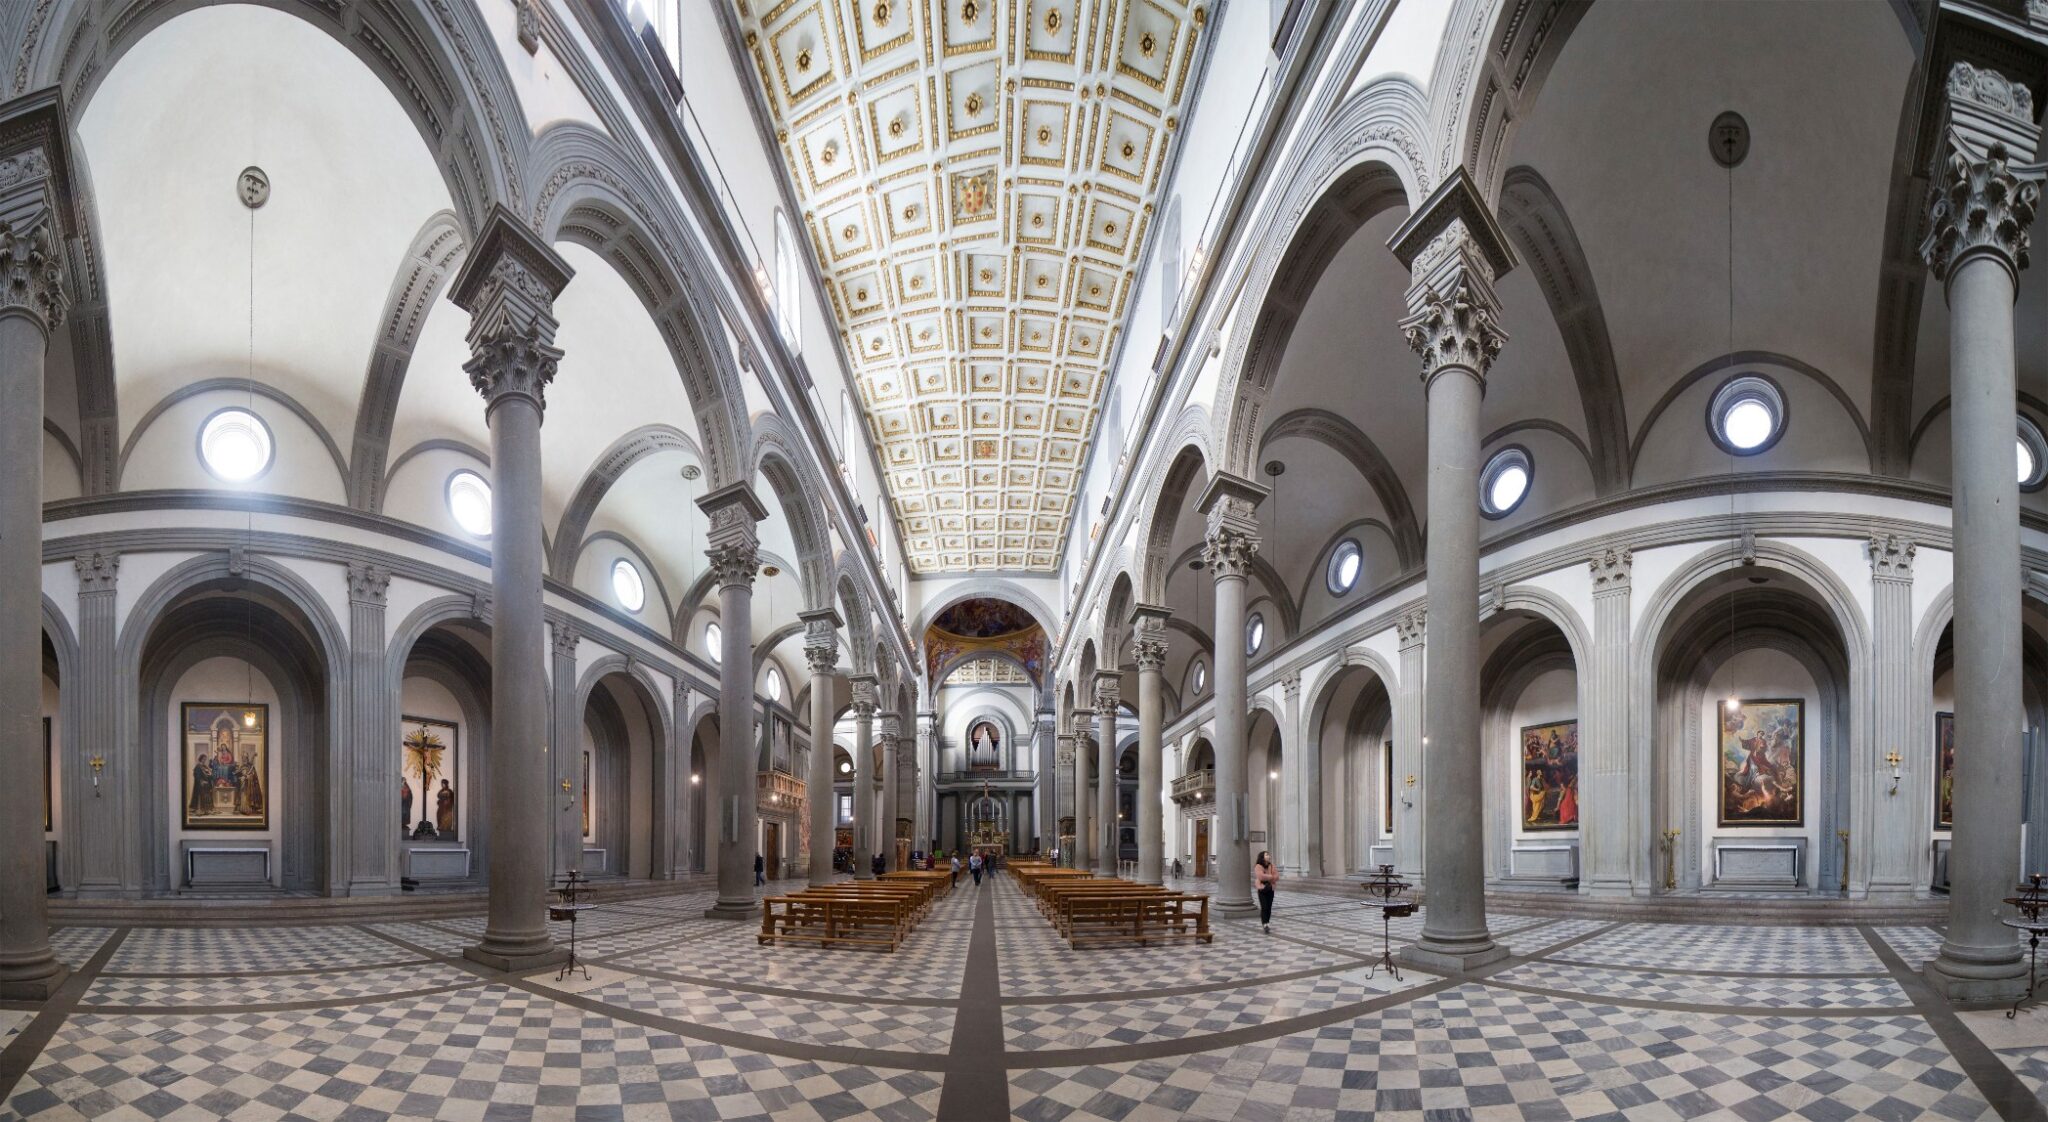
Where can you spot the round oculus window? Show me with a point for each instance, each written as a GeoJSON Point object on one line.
{"type": "Point", "coordinates": [714, 642]}
{"type": "Point", "coordinates": [469, 503]}
{"type": "Point", "coordinates": [627, 585]}
{"type": "Point", "coordinates": [1201, 676]}
{"type": "Point", "coordinates": [1746, 415]}
{"type": "Point", "coordinates": [774, 684]}
{"type": "Point", "coordinates": [1504, 482]}
{"type": "Point", "coordinates": [1254, 633]}
{"type": "Point", "coordinates": [235, 446]}
{"type": "Point", "coordinates": [1346, 561]}
{"type": "Point", "coordinates": [2033, 456]}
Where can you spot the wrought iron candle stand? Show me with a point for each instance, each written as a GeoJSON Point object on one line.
{"type": "Point", "coordinates": [2032, 903]}
{"type": "Point", "coordinates": [1386, 891]}
{"type": "Point", "coordinates": [567, 909]}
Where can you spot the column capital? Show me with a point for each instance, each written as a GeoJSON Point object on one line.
{"type": "Point", "coordinates": [1411, 625]}
{"type": "Point", "coordinates": [1454, 250]}
{"type": "Point", "coordinates": [733, 544]}
{"type": "Point", "coordinates": [1612, 568]}
{"type": "Point", "coordinates": [508, 285]}
{"type": "Point", "coordinates": [1108, 691]}
{"type": "Point", "coordinates": [864, 689]}
{"type": "Point", "coordinates": [888, 728]}
{"type": "Point", "coordinates": [367, 583]}
{"type": "Point", "coordinates": [98, 571]}
{"type": "Point", "coordinates": [1231, 505]}
{"type": "Point", "coordinates": [563, 638]}
{"type": "Point", "coordinates": [1891, 557]}
{"type": "Point", "coordinates": [821, 640]}
{"type": "Point", "coordinates": [1149, 650]}
{"type": "Point", "coordinates": [1290, 687]}
{"type": "Point", "coordinates": [35, 206]}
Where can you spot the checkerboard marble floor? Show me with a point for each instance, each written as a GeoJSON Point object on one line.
{"type": "Point", "coordinates": [688, 1018]}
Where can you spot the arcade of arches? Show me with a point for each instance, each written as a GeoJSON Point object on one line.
{"type": "Point", "coordinates": [535, 533]}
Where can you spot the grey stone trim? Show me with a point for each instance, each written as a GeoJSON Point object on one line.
{"type": "Point", "coordinates": [234, 385]}
{"type": "Point", "coordinates": [1731, 364]}
{"type": "Point", "coordinates": [422, 274]}
{"type": "Point", "coordinates": [1349, 441]}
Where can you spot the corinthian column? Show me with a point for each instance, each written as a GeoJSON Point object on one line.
{"type": "Point", "coordinates": [1976, 245]}
{"type": "Point", "coordinates": [1084, 848]}
{"type": "Point", "coordinates": [890, 732]}
{"type": "Point", "coordinates": [1148, 649]}
{"type": "Point", "coordinates": [1108, 688]}
{"type": "Point", "coordinates": [33, 211]}
{"type": "Point", "coordinates": [1454, 251]}
{"type": "Point", "coordinates": [734, 551]}
{"type": "Point", "coordinates": [1228, 550]}
{"type": "Point", "coordinates": [821, 650]}
{"type": "Point", "coordinates": [863, 776]}
{"type": "Point", "coordinates": [508, 286]}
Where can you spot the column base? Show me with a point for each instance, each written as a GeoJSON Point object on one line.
{"type": "Point", "coordinates": [1451, 959]}
{"type": "Point", "coordinates": [733, 909]}
{"type": "Point", "coordinates": [518, 960]}
{"type": "Point", "coordinates": [1234, 908]}
{"type": "Point", "coordinates": [33, 985]}
{"type": "Point", "coordinates": [1973, 976]}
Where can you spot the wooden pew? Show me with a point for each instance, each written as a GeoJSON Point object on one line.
{"type": "Point", "coordinates": [829, 920]}
{"type": "Point", "coordinates": [1140, 918]}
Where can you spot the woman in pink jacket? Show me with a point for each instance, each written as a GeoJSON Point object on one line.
{"type": "Point", "coordinates": [1265, 875]}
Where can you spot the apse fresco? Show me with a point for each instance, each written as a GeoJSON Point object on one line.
{"type": "Point", "coordinates": [983, 618]}
{"type": "Point", "coordinates": [227, 766]}
{"type": "Point", "coordinates": [984, 626]}
{"type": "Point", "coordinates": [1944, 771]}
{"type": "Point", "coordinates": [1763, 763]}
{"type": "Point", "coordinates": [1550, 776]}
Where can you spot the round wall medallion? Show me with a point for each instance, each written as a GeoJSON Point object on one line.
{"type": "Point", "coordinates": [253, 185]}
{"type": "Point", "coordinates": [1728, 139]}
{"type": "Point", "coordinates": [692, 471]}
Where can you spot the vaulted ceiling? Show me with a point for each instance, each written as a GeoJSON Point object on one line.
{"type": "Point", "coordinates": [977, 178]}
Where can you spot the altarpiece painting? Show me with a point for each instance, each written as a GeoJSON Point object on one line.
{"type": "Point", "coordinates": [1550, 776]}
{"type": "Point", "coordinates": [227, 765]}
{"type": "Point", "coordinates": [428, 781]}
{"type": "Point", "coordinates": [1762, 763]}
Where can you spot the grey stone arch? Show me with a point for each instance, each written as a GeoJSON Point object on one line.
{"type": "Point", "coordinates": [1733, 363]}
{"type": "Point", "coordinates": [1535, 647]}
{"type": "Point", "coordinates": [1266, 750]}
{"type": "Point", "coordinates": [67, 749]}
{"type": "Point", "coordinates": [1266, 588]}
{"type": "Point", "coordinates": [1364, 163]}
{"type": "Point", "coordinates": [590, 192]}
{"type": "Point", "coordinates": [1115, 628]}
{"type": "Point", "coordinates": [441, 67]}
{"type": "Point", "coordinates": [428, 264]}
{"type": "Point", "coordinates": [858, 617]}
{"type": "Point", "coordinates": [1349, 441]}
{"type": "Point", "coordinates": [1319, 567]}
{"type": "Point", "coordinates": [1492, 60]}
{"type": "Point", "coordinates": [249, 387]}
{"type": "Point", "coordinates": [628, 450]}
{"type": "Point", "coordinates": [776, 457]}
{"type": "Point", "coordinates": [632, 773]}
{"type": "Point", "coordinates": [1682, 637]}
{"type": "Point", "coordinates": [1534, 219]}
{"type": "Point", "coordinates": [1934, 654]}
{"type": "Point", "coordinates": [1358, 823]}
{"type": "Point", "coordinates": [428, 646]}
{"type": "Point", "coordinates": [272, 618]}
{"type": "Point", "coordinates": [697, 767]}
{"type": "Point", "coordinates": [1165, 495]}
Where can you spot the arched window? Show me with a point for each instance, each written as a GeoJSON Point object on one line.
{"type": "Point", "coordinates": [714, 642]}
{"type": "Point", "coordinates": [788, 311]}
{"type": "Point", "coordinates": [627, 585]}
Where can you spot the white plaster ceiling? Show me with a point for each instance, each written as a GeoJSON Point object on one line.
{"type": "Point", "coordinates": [977, 178]}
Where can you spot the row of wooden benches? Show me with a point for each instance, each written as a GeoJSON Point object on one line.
{"type": "Point", "coordinates": [1087, 909]}
{"type": "Point", "coordinates": [876, 913]}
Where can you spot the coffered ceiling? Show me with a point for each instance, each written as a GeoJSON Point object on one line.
{"type": "Point", "coordinates": [978, 178]}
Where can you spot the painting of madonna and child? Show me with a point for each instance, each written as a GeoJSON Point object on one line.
{"type": "Point", "coordinates": [227, 766]}
{"type": "Point", "coordinates": [1762, 763]}
{"type": "Point", "coordinates": [1550, 776]}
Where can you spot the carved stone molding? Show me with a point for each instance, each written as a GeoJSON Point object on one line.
{"type": "Point", "coordinates": [821, 641]}
{"type": "Point", "coordinates": [734, 564]}
{"type": "Point", "coordinates": [1611, 568]}
{"type": "Point", "coordinates": [864, 686]}
{"type": "Point", "coordinates": [31, 270]}
{"type": "Point", "coordinates": [98, 571]}
{"type": "Point", "coordinates": [1149, 652]}
{"type": "Point", "coordinates": [1456, 325]}
{"type": "Point", "coordinates": [1891, 557]}
{"type": "Point", "coordinates": [367, 583]}
{"type": "Point", "coordinates": [1290, 687]}
{"type": "Point", "coordinates": [1978, 205]}
{"type": "Point", "coordinates": [1410, 626]}
{"type": "Point", "coordinates": [1991, 90]}
{"type": "Point", "coordinates": [1228, 551]}
{"type": "Point", "coordinates": [508, 286]}
{"type": "Point", "coordinates": [1108, 691]}
{"type": "Point", "coordinates": [529, 25]}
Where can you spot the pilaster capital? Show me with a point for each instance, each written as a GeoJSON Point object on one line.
{"type": "Point", "coordinates": [864, 689]}
{"type": "Point", "coordinates": [508, 285]}
{"type": "Point", "coordinates": [367, 583]}
{"type": "Point", "coordinates": [822, 658]}
{"type": "Point", "coordinates": [1290, 687]}
{"type": "Point", "coordinates": [562, 640]}
{"type": "Point", "coordinates": [480, 607]}
{"type": "Point", "coordinates": [1891, 558]}
{"type": "Point", "coordinates": [888, 729]}
{"type": "Point", "coordinates": [1063, 754]}
{"type": "Point", "coordinates": [98, 572]}
{"type": "Point", "coordinates": [1611, 569]}
{"type": "Point", "coordinates": [1148, 636]}
{"type": "Point", "coordinates": [1108, 691]}
{"type": "Point", "coordinates": [1411, 625]}
{"type": "Point", "coordinates": [35, 206]}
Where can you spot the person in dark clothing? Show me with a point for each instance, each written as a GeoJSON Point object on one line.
{"type": "Point", "coordinates": [1265, 875]}
{"type": "Point", "coordinates": [760, 871]}
{"type": "Point", "coordinates": [974, 866]}
{"type": "Point", "coordinates": [881, 864]}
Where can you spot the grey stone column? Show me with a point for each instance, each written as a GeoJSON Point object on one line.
{"type": "Point", "coordinates": [33, 216]}
{"type": "Point", "coordinates": [923, 827]}
{"type": "Point", "coordinates": [889, 730]}
{"type": "Point", "coordinates": [1232, 540]}
{"type": "Point", "coordinates": [1148, 648]}
{"type": "Point", "coordinates": [1454, 252]}
{"type": "Point", "coordinates": [1410, 813]}
{"type": "Point", "coordinates": [93, 814]}
{"type": "Point", "coordinates": [508, 285]}
{"type": "Point", "coordinates": [1108, 694]}
{"type": "Point", "coordinates": [1896, 820]}
{"type": "Point", "coordinates": [1605, 866]}
{"type": "Point", "coordinates": [1045, 782]}
{"type": "Point", "coordinates": [371, 733]}
{"type": "Point", "coordinates": [1306, 789]}
{"type": "Point", "coordinates": [821, 650]}
{"type": "Point", "coordinates": [863, 776]}
{"type": "Point", "coordinates": [565, 829]}
{"type": "Point", "coordinates": [1976, 245]}
{"type": "Point", "coordinates": [1065, 759]}
{"type": "Point", "coordinates": [734, 550]}
{"type": "Point", "coordinates": [1084, 805]}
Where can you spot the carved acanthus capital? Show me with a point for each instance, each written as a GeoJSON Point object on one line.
{"type": "Point", "coordinates": [1611, 568]}
{"type": "Point", "coordinates": [822, 658]}
{"type": "Point", "coordinates": [888, 730]}
{"type": "Point", "coordinates": [32, 269]}
{"type": "Point", "coordinates": [97, 572]}
{"type": "Point", "coordinates": [1108, 692]}
{"type": "Point", "coordinates": [367, 583]}
{"type": "Point", "coordinates": [563, 638]}
{"type": "Point", "coordinates": [1228, 551]}
{"type": "Point", "coordinates": [1150, 652]}
{"type": "Point", "coordinates": [734, 546]}
{"type": "Point", "coordinates": [1410, 626]}
{"type": "Point", "coordinates": [864, 691]}
{"type": "Point", "coordinates": [1979, 199]}
{"type": "Point", "coordinates": [734, 564]}
{"type": "Point", "coordinates": [1891, 557]}
{"type": "Point", "coordinates": [1455, 325]}
{"type": "Point", "coordinates": [1290, 688]}
{"type": "Point", "coordinates": [508, 286]}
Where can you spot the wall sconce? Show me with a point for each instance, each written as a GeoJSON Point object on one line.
{"type": "Point", "coordinates": [97, 764]}
{"type": "Point", "coordinates": [566, 788]}
{"type": "Point", "coordinates": [1892, 758]}
{"type": "Point", "coordinates": [1408, 793]}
